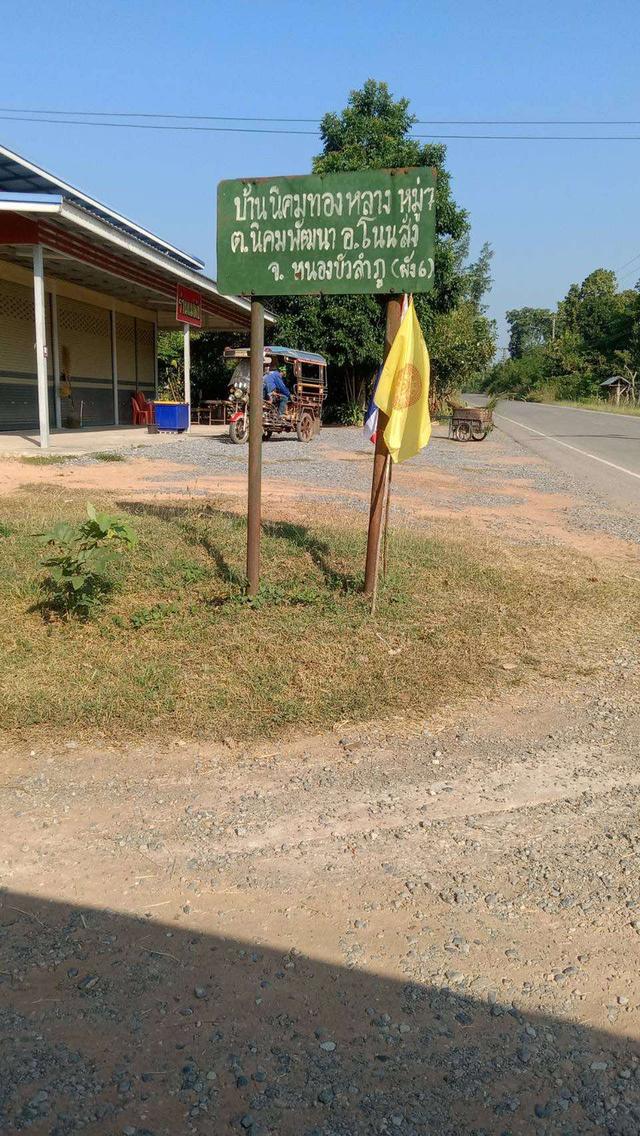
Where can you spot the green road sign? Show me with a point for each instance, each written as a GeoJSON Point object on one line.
{"type": "Point", "coordinates": [369, 231]}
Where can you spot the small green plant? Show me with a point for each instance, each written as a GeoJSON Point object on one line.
{"type": "Point", "coordinates": [5, 530]}
{"type": "Point", "coordinates": [78, 562]}
{"type": "Point", "coordinates": [145, 616]}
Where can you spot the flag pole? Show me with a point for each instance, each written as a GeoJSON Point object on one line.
{"type": "Point", "coordinates": [381, 457]}
{"type": "Point", "coordinates": [385, 535]}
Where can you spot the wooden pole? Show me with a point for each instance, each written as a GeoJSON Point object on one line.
{"type": "Point", "coordinates": [378, 483]}
{"type": "Point", "coordinates": [255, 447]}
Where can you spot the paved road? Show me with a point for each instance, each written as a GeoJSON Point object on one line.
{"type": "Point", "coordinates": [602, 450]}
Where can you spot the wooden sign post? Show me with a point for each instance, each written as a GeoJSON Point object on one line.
{"type": "Point", "coordinates": [255, 447]}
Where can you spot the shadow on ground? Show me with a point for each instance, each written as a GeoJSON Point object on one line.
{"type": "Point", "coordinates": [112, 1024]}
{"type": "Point", "coordinates": [297, 536]}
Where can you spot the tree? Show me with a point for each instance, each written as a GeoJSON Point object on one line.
{"type": "Point", "coordinates": [528, 328]}
{"type": "Point", "coordinates": [597, 335]}
{"type": "Point", "coordinates": [478, 279]}
{"type": "Point", "coordinates": [209, 372]}
{"type": "Point", "coordinates": [373, 132]}
{"type": "Point", "coordinates": [463, 344]}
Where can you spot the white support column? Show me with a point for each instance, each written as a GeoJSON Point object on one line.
{"type": "Point", "coordinates": [41, 345]}
{"type": "Point", "coordinates": [187, 369]}
{"type": "Point", "coordinates": [114, 368]}
{"type": "Point", "coordinates": [55, 346]}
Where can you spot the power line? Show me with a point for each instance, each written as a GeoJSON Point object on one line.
{"type": "Point", "coordinates": [536, 137]}
{"type": "Point", "coordinates": [526, 122]}
{"type": "Point", "coordinates": [152, 126]}
{"type": "Point", "coordinates": [633, 258]}
{"type": "Point", "coordinates": [147, 114]}
{"type": "Point", "coordinates": [259, 118]}
{"type": "Point", "coordinates": [314, 133]}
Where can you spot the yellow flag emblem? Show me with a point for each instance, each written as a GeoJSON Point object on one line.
{"type": "Point", "coordinates": [403, 390]}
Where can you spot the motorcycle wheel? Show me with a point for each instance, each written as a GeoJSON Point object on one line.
{"type": "Point", "coordinates": [239, 431]}
{"type": "Point", "coordinates": [266, 435]}
{"type": "Point", "coordinates": [305, 427]}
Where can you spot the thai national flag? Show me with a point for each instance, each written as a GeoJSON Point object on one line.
{"type": "Point", "coordinates": [371, 417]}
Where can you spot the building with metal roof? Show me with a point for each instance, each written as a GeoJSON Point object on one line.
{"type": "Point", "coordinates": [83, 292]}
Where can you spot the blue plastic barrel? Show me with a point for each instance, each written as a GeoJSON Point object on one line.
{"type": "Point", "coordinates": [171, 415]}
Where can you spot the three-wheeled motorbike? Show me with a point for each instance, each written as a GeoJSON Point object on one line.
{"type": "Point", "coordinates": [305, 374]}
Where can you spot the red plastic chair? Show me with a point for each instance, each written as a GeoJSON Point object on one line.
{"type": "Point", "coordinates": [142, 410]}
{"type": "Point", "coordinates": [145, 405]}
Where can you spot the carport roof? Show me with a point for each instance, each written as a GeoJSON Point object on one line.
{"type": "Point", "coordinates": [88, 244]}
{"type": "Point", "coordinates": [20, 176]}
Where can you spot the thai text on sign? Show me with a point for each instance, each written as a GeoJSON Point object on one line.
{"type": "Point", "coordinates": [188, 306]}
{"type": "Point", "coordinates": [369, 231]}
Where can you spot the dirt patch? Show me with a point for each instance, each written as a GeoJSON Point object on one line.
{"type": "Point", "coordinates": [436, 925]}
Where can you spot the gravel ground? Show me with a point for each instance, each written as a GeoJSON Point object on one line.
{"type": "Point", "coordinates": [495, 475]}
{"type": "Point", "coordinates": [432, 930]}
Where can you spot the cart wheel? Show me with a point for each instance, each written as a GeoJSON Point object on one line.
{"type": "Point", "coordinates": [304, 427]}
{"type": "Point", "coordinates": [463, 433]}
{"type": "Point", "coordinates": [239, 431]}
{"type": "Point", "coordinates": [266, 435]}
{"type": "Point", "coordinates": [478, 433]}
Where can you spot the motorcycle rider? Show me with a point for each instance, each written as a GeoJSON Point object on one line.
{"type": "Point", "coordinates": [274, 388]}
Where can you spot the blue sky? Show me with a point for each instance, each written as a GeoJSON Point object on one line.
{"type": "Point", "coordinates": [552, 211]}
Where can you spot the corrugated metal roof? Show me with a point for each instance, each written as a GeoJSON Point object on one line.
{"type": "Point", "coordinates": [612, 382]}
{"type": "Point", "coordinates": [301, 356]}
{"type": "Point", "coordinates": [18, 175]}
{"type": "Point", "coordinates": [289, 353]}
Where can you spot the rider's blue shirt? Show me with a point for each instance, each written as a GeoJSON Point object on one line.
{"type": "Point", "coordinates": [273, 382]}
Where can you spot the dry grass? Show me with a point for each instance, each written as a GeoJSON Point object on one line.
{"type": "Point", "coordinates": [598, 404]}
{"type": "Point", "coordinates": [179, 649]}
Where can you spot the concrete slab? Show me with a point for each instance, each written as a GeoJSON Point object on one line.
{"type": "Point", "coordinates": [91, 440]}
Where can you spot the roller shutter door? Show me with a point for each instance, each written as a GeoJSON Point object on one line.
{"type": "Point", "coordinates": [145, 352]}
{"type": "Point", "coordinates": [127, 364]}
{"type": "Point", "coordinates": [85, 353]}
{"type": "Point", "coordinates": [18, 378]}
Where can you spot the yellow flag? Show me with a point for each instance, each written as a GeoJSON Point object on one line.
{"type": "Point", "coordinates": [403, 390]}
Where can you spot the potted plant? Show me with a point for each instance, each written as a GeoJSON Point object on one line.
{"type": "Point", "coordinates": [170, 410]}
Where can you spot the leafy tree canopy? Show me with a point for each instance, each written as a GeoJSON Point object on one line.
{"type": "Point", "coordinates": [597, 336]}
{"type": "Point", "coordinates": [528, 328]}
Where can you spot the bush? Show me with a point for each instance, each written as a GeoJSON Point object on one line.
{"type": "Point", "coordinates": [346, 414]}
{"type": "Point", "coordinates": [78, 561]}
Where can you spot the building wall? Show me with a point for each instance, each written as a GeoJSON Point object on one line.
{"type": "Point", "coordinates": [85, 347]}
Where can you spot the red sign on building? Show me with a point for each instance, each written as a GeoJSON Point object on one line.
{"type": "Point", "coordinates": [188, 306]}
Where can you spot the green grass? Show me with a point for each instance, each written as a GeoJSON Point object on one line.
{"type": "Point", "coordinates": [45, 459]}
{"type": "Point", "coordinates": [179, 650]}
{"type": "Point", "coordinates": [599, 404]}
{"type": "Point", "coordinates": [108, 456]}
{"type": "Point", "coordinates": [546, 394]}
